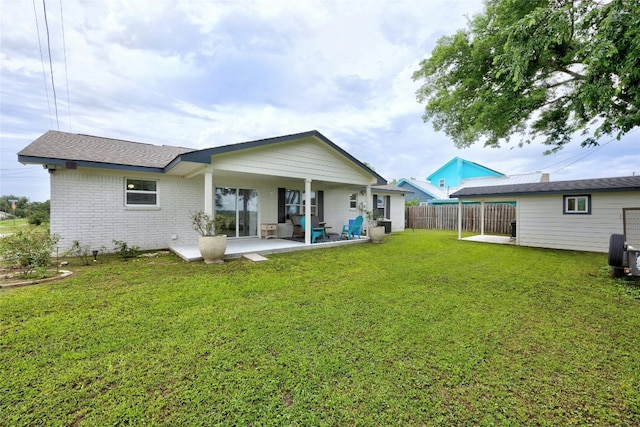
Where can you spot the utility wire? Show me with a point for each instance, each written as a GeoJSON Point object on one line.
{"type": "Point", "coordinates": [591, 152]}
{"type": "Point", "coordinates": [44, 75]}
{"type": "Point", "coordinates": [53, 85]}
{"type": "Point", "coordinates": [66, 73]}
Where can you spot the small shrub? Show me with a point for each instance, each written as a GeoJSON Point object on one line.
{"type": "Point", "coordinates": [80, 251]}
{"type": "Point", "coordinates": [36, 219]}
{"type": "Point", "coordinates": [125, 250]}
{"type": "Point", "coordinates": [28, 252]}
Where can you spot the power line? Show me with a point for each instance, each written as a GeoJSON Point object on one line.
{"type": "Point", "coordinates": [590, 152]}
{"type": "Point", "coordinates": [66, 73]}
{"type": "Point", "coordinates": [53, 85]}
{"type": "Point", "coordinates": [44, 76]}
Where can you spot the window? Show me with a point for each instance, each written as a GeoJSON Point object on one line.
{"type": "Point", "coordinates": [353, 200]}
{"type": "Point", "coordinates": [441, 183]}
{"type": "Point", "coordinates": [294, 202]}
{"type": "Point", "coordinates": [140, 192]}
{"type": "Point", "coordinates": [577, 204]}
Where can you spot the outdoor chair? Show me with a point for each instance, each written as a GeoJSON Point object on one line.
{"type": "Point", "coordinates": [298, 231]}
{"type": "Point", "coordinates": [354, 228]}
{"type": "Point", "coordinates": [315, 231]}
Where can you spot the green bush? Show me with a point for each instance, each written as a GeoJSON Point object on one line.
{"type": "Point", "coordinates": [36, 219]}
{"type": "Point", "coordinates": [28, 251]}
{"type": "Point", "coordinates": [80, 251]}
{"type": "Point", "coordinates": [125, 250]}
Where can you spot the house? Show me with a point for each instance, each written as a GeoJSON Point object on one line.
{"type": "Point", "coordinates": [104, 189]}
{"type": "Point", "coordinates": [455, 170]}
{"type": "Point", "coordinates": [575, 215]}
{"type": "Point", "coordinates": [459, 173]}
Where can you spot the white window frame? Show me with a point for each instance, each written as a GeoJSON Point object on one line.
{"type": "Point", "coordinates": [128, 189]}
{"type": "Point", "coordinates": [575, 201]}
{"type": "Point", "coordinates": [353, 201]}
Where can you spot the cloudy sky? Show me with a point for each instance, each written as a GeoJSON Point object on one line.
{"type": "Point", "coordinates": [205, 73]}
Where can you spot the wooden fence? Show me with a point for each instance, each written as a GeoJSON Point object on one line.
{"type": "Point", "coordinates": [497, 217]}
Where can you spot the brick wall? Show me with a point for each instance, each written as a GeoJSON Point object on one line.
{"type": "Point", "coordinates": [90, 207]}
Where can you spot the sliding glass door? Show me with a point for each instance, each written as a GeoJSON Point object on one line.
{"type": "Point", "coordinates": [239, 208]}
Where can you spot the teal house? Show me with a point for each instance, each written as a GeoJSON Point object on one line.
{"type": "Point", "coordinates": [460, 173]}
{"type": "Point", "coordinates": [457, 169]}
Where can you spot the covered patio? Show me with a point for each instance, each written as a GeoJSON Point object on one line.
{"type": "Point", "coordinates": [237, 248]}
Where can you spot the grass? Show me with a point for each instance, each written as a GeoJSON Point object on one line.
{"type": "Point", "coordinates": [8, 226]}
{"type": "Point", "coordinates": [421, 330]}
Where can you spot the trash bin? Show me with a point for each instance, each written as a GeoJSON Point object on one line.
{"type": "Point", "coordinates": [387, 225]}
{"type": "Point", "coordinates": [513, 229]}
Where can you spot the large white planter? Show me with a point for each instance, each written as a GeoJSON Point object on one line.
{"type": "Point", "coordinates": [212, 248]}
{"type": "Point", "coordinates": [376, 234]}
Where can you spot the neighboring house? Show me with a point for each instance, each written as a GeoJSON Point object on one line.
{"type": "Point", "coordinates": [104, 189]}
{"type": "Point", "coordinates": [451, 174]}
{"type": "Point", "coordinates": [575, 215]}
{"type": "Point", "coordinates": [431, 194]}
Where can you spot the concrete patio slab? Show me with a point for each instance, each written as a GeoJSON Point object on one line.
{"type": "Point", "coordinates": [485, 238]}
{"type": "Point", "coordinates": [238, 247]}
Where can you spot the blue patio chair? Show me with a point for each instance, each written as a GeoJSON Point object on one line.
{"type": "Point", "coordinates": [315, 231]}
{"type": "Point", "coordinates": [354, 228]}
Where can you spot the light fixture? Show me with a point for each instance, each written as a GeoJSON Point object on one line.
{"type": "Point", "coordinates": [130, 186]}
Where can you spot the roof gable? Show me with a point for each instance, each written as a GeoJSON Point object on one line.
{"type": "Point", "coordinates": [457, 169]}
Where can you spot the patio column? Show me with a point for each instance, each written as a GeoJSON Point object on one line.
{"type": "Point", "coordinates": [365, 223]}
{"type": "Point", "coordinates": [208, 192]}
{"type": "Point", "coordinates": [482, 217]}
{"type": "Point", "coordinates": [459, 219]}
{"type": "Point", "coordinates": [307, 211]}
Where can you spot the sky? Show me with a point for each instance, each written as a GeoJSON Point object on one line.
{"type": "Point", "coordinates": [206, 73]}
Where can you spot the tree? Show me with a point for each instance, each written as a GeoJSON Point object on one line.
{"type": "Point", "coordinates": [537, 68]}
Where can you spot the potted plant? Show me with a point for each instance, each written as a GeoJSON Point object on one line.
{"type": "Point", "coordinates": [211, 244]}
{"type": "Point", "coordinates": [375, 231]}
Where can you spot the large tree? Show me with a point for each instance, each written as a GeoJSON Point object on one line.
{"type": "Point", "coordinates": [537, 69]}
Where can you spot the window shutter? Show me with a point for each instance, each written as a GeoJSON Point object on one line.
{"type": "Point", "coordinates": [282, 217]}
{"type": "Point", "coordinates": [388, 210]}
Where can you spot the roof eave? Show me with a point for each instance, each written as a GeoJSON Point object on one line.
{"type": "Point", "coordinates": [80, 163]}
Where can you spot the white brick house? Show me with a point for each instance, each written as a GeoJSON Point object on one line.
{"type": "Point", "coordinates": [104, 189]}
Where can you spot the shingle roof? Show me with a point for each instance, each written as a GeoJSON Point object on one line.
{"type": "Point", "coordinates": [624, 183]}
{"type": "Point", "coordinates": [76, 147]}
{"type": "Point", "coordinates": [57, 148]}
{"type": "Point", "coordinates": [391, 188]}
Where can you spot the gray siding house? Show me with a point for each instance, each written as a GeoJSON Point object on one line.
{"type": "Point", "coordinates": [577, 215]}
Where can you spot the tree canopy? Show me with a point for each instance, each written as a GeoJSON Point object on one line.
{"type": "Point", "coordinates": [537, 69]}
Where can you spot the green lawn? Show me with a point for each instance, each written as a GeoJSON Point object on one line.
{"type": "Point", "coordinates": [421, 330]}
{"type": "Point", "coordinates": [8, 226]}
